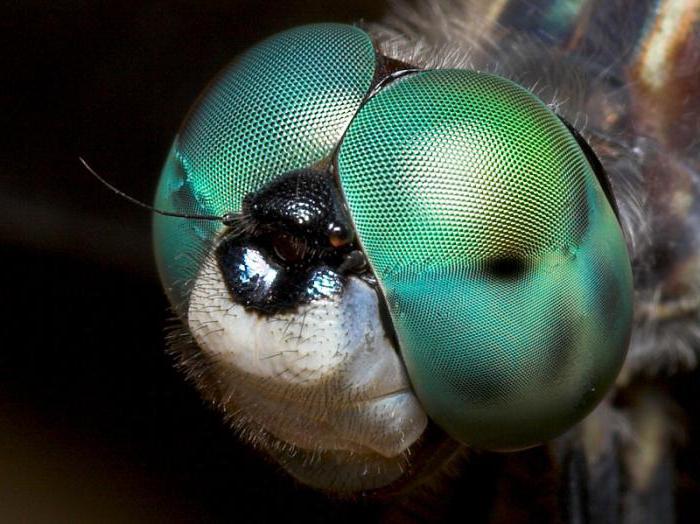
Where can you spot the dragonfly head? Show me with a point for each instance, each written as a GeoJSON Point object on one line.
{"type": "Point", "coordinates": [455, 199]}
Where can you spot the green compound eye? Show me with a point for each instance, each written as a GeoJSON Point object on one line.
{"type": "Point", "coordinates": [282, 105]}
{"type": "Point", "coordinates": [503, 265]}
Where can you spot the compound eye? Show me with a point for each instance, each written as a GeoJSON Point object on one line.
{"type": "Point", "coordinates": [502, 263]}
{"type": "Point", "coordinates": [281, 106]}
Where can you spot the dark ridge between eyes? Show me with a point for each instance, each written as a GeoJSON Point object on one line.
{"type": "Point", "coordinates": [596, 165]}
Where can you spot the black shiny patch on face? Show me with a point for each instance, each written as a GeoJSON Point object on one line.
{"type": "Point", "coordinates": [293, 244]}
{"type": "Point", "coordinates": [256, 279]}
{"type": "Point", "coordinates": [304, 203]}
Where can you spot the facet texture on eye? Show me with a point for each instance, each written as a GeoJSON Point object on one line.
{"type": "Point", "coordinates": [479, 167]}
{"type": "Point", "coordinates": [501, 260]}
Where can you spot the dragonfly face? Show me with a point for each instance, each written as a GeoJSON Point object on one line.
{"type": "Point", "coordinates": [407, 246]}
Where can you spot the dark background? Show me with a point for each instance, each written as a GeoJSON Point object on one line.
{"type": "Point", "coordinates": [95, 424]}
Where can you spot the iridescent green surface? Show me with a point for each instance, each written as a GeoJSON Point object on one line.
{"type": "Point", "coordinates": [503, 265]}
{"type": "Point", "coordinates": [282, 105]}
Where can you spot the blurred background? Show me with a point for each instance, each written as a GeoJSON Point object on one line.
{"type": "Point", "coordinates": [95, 424]}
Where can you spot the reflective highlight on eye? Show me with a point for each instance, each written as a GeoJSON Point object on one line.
{"type": "Point", "coordinates": [502, 263]}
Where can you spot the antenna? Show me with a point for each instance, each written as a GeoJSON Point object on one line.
{"type": "Point", "coordinates": [227, 219]}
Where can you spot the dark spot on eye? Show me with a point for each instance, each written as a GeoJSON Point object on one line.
{"type": "Point", "coordinates": [508, 268]}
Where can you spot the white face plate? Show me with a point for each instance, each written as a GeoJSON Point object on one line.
{"type": "Point", "coordinates": [321, 378]}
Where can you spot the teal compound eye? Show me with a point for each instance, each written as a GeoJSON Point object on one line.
{"type": "Point", "coordinates": [282, 105]}
{"type": "Point", "coordinates": [501, 260]}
